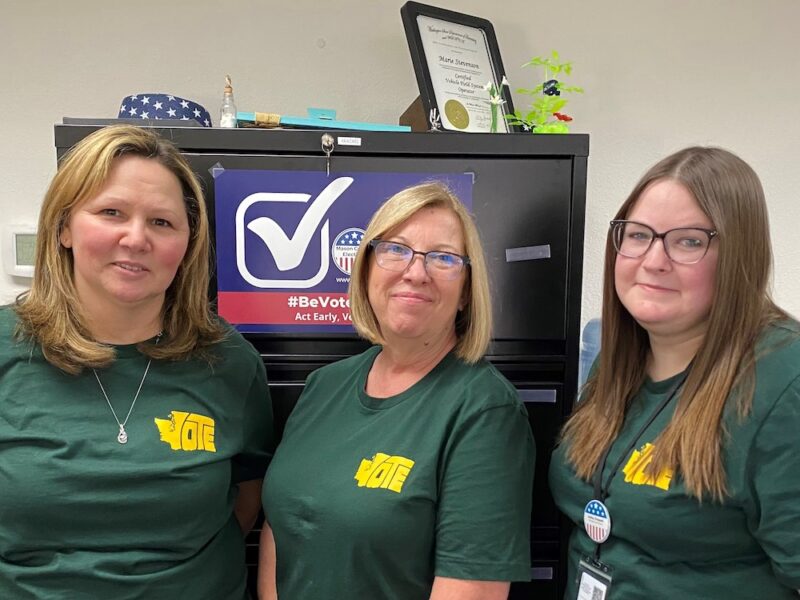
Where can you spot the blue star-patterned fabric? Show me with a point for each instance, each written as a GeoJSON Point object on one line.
{"type": "Point", "coordinates": [352, 239]}
{"type": "Point", "coordinates": [163, 106]}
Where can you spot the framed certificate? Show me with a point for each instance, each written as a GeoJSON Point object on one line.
{"type": "Point", "coordinates": [455, 56]}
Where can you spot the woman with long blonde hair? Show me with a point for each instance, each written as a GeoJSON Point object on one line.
{"type": "Point", "coordinates": [681, 464]}
{"type": "Point", "coordinates": [135, 426]}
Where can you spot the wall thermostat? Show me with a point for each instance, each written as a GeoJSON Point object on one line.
{"type": "Point", "coordinates": [19, 245]}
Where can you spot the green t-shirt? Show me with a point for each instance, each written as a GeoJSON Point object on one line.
{"type": "Point", "coordinates": [664, 543]}
{"type": "Point", "coordinates": [83, 517]}
{"type": "Point", "coordinates": [372, 498]}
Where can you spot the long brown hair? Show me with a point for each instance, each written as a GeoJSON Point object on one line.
{"type": "Point", "coordinates": [729, 192]}
{"type": "Point", "coordinates": [50, 313]}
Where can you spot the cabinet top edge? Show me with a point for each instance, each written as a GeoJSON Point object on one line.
{"type": "Point", "coordinates": [262, 141]}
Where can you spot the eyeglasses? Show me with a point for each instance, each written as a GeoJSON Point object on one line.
{"type": "Point", "coordinates": [683, 245]}
{"type": "Point", "coordinates": [394, 256]}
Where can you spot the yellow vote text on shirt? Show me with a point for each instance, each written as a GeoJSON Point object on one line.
{"type": "Point", "coordinates": [634, 470]}
{"type": "Point", "coordinates": [384, 471]}
{"type": "Point", "coordinates": [187, 431]}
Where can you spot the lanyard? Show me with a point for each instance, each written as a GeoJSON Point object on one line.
{"type": "Point", "coordinates": [600, 490]}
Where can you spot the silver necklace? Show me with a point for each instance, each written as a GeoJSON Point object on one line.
{"type": "Point", "coordinates": [122, 436]}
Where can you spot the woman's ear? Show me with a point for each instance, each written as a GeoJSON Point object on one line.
{"type": "Point", "coordinates": [65, 236]}
{"type": "Point", "coordinates": [464, 301]}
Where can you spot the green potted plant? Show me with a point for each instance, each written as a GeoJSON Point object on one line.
{"type": "Point", "coordinates": [546, 110]}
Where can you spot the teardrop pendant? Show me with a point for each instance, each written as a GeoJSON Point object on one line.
{"type": "Point", "coordinates": [122, 436]}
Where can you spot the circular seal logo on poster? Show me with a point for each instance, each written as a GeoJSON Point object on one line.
{"type": "Point", "coordinates": [456, 114]}
{"type": "Point", "coordinates": [345, 247]}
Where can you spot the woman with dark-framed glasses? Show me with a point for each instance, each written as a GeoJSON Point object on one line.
{"type": "Point", "coordinates": [681, 464]}
{"type": "Point", "coordinates": [405, 473]}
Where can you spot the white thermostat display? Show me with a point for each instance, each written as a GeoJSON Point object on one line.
{"type": "Point", "coordinates": [19, 245]}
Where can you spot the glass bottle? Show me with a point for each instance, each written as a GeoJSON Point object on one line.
{"type": "Point", "coordinates": [227, 112]}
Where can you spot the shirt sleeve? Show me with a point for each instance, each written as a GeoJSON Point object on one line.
{"type": "Point", "coordinates": [258, 438]}
{"type": "Point", "coordinates": [483, 516]}
{"type": "Point", "coordinates": [775, 467]}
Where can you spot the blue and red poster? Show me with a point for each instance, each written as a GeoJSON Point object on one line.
{"type": "Point", "coordinates": [286, 242]}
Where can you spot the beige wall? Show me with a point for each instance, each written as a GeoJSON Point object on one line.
{"type": "Point", "coordinates": [659, 75]}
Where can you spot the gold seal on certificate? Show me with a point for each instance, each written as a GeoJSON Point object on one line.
{"type": "Point", "coordinates": [456, 114]}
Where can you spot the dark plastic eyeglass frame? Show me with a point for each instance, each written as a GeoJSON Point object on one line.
{"type": "Point", "coordinates": [465, 259]}
{"type": "Point", "coordinates": [711, 233]}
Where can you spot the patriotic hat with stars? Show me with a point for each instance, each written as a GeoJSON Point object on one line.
{"type": "Point", "coordinates": [163, 106]}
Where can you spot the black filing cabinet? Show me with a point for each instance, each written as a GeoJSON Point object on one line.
{"type": "Point", "coordinates": [528, 199]}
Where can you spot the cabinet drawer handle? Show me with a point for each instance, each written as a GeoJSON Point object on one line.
{"type": "Point", "coordinates": [540, 573]}
{"type": "Point", "coordinates": [537, 396]}
{"type": "Point", "coordinates": [528, 253]}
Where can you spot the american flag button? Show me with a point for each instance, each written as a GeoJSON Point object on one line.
{"type": "Point", "coordinates": [597, 521]}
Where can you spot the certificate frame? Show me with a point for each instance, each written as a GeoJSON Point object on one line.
{"type": "Point", "coordinates": [451, 75]}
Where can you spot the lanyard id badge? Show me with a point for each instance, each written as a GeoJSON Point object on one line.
{"type": "Point", "coordinates": [594, 579]}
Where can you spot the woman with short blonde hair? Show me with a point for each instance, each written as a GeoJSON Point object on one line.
{"type": "Point", "coordinates": [474, 322]}
{"type": "Point", "coordinates": [405, 472]}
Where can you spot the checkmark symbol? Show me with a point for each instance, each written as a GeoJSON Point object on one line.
{"type": "Point", "coordinates": [288, 252]}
